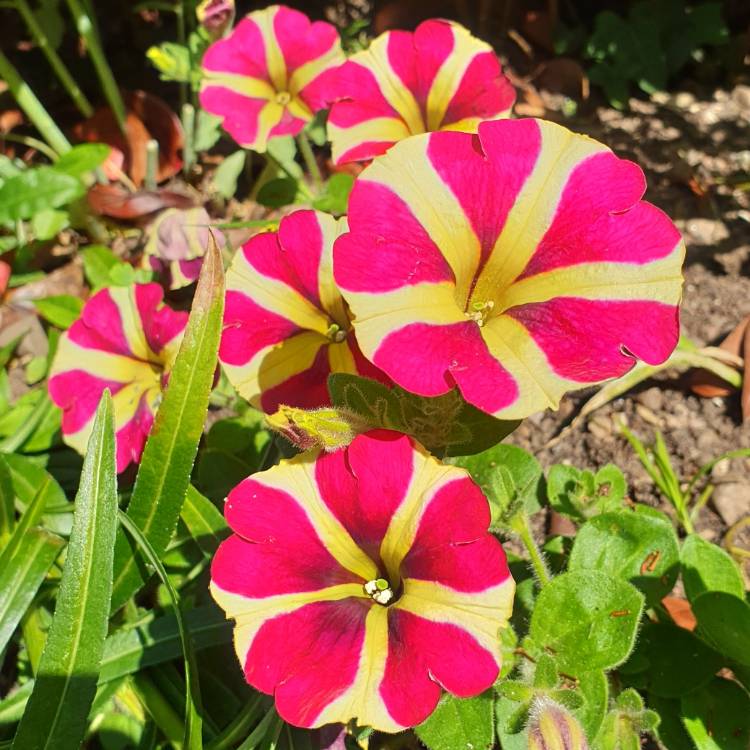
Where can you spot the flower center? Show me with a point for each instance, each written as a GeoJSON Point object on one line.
{"type": "Point", "coordinates": [336, 333]}
{"type": "Point", "coordinates": [480, 311]}
{"type": "Point", "coordinates": [283, 98]}
{"type": "Point", "coordinates": [380, 590]}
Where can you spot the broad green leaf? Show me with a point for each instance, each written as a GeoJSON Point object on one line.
{"type": "Point", "coordinates": [98, 261]}
{"type": "Point", "coordinates": [510, 478]}
{"type": "Point", "coordinates": [671, 731]}
{"type": "Point", "coordinates": [594, 687]}
{"type": "Point", "coordinates": [717, 717]}
{"type": "Point", "coordinates": [672, 661]}
{"type": "Point", "coordinates": [510, 730]}
{"type": "Point", "coordinates": [207, 130]}
{"type": "Point", "coordinates": [22, 575]}
{"type": "Point", "coordinates": [278, 193]}
{"type": "Point", "coordinates": [35, 190]}
{"type": "Point", "coordinates": [724, 622]}
{"type": "Point", "coordinates": [587, 619]}
{"type": "Point", "coordinates": [335, 196]}
{"type": "Point", "coordinates": [7, 507]}
{"type": "Point", "coordinates": [634, 546]}
{"type": "Point", "coordinates": [57, 710]}
{"type": "Point", "coordinates": [706, 567]}
{"type": "Point", "coordinates": [227, 173]}
{"type": "Point", "coordinates": [81, 159]}
{"type": "Point", "coordinates": [48, 223]}
{"type": "Point", "coordinates": [29, 479]}
{"type": "Point", "coordinates": [460, 723]}
{"type": "Point", "coordinates": [581, 494]}
{"type": "Point", "coordinates": [203, 520]}
{"type": "Point", "coordinates": [61, 310]}
{"type": "Point", "coordinates": [168, 457]}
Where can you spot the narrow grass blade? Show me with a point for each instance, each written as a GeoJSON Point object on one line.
{"type": "Point", "coordinates": [193, 735]}
{"type": "Point", "coordinates": [21, 578]}
{"type": "Point", "coordinates": [7, 507]}
{"type": "Point", "coordinates": [169, 454]}
{"type": "Point", "coordinates": [57, 711]}
{"type": "Point", "coordinates": [204, 521]}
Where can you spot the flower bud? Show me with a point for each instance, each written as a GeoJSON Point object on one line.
{"type": "Point", "coordinates": [327, 428]}
{"type": "Point", "coordinates": [215, 16]}
{"type": "Point", "coordinates": [551, 727]}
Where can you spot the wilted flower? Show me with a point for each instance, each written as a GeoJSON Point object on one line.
{"type": "Point", "coordinates": [552, 727]}
{"type": "Point", "coordinates": [177, 242]}
{"type": "Point", "coordinates": [286, 327]}
{"type": "Point", "coordinates": [215, 16]}
{"type": "Point", "coordinates": [270, 75]}
{"type": "Point", "coordinates": [517, 264]}
{"type": "Point", "coordinates": [125, 340]}
{"type": "Point", "coordinates": [438, 78]}
{"type": "Point", "coordinates": [362, 582]}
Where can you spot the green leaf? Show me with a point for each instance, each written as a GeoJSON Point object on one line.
{"type": "Point", "coordinates": [36, 190]}
{"type": "Point", "coordinates": [510, 478]}
{"type": "Point", "coordinates": [706, 567]}
{"type": "Point", "coordinates": [98, 262]}
{"type": "Point", "coordinates": [634, 546]}
{"type": "Point", "coordinates": [278, 193]}
{"type": "Point", "coordinates": [57, 710]}
{"type": "Point", "coordinates": [724, 622]}
{"type": "Point", "coordinates": [7, 507]}
{"type": "Point", "coordinates": [207, 130]}
{"type": "Point", "coordinates": [29, 480]}
{"type": "Point", "coordinates": [671, 731]}
{"type": "Point", "coordinates": [227, 173]}
{"type": "Point", "coordinates": [459, 723]}
{"type": "Point", "coordinates": [717, 717]}
{"type": "Point", "coordinates": [203, 520]}
{"type": "Point", "coordinates": [168, 457]}
{"type": "Point", "coordinates": [48, 223]}
{"type": "Point", "coordinates": [22, 575]}
{"type": "Point", "coordinates": [81, 159]}
{"type": "Point", "coordinates": [587, 620]}
{"type": "Point", "coordinates": [13, 705]}
{"type": "Point", "coordinates": [672, 661]}
{"type": "Point", "coordinates": [581, 494]}
{"type": "Point", "coordinates": [594, 687]}
{"type": "Point", "coordinates": [511, 718]}
{"type": "Point", "coordinates": [61, 310]}
{"type": "Point", "coordinates": [335, 197]}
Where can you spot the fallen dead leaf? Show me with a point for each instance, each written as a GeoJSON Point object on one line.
{"type": "Point", "coordinates": [116, 202]}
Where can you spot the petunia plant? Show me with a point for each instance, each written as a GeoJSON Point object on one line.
{"type": "Point", "coordinates": [297, 524]}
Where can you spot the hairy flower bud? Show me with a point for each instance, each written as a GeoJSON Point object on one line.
{"type": "Point", "coordinates": [328, 428]}
{"type": "Point", "coordinates": [215, 16]}
{"type": "Point", "coordinates": [551, 727]}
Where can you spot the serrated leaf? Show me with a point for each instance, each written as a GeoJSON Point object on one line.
{"type": "Point", "coordinates": [634, 546]}
{"type": "Point", "coordinates": [61, 310]}
{"type": "Point", "coordinates": [35, 190]}
{"type": "Point", "coordinates": [587, 620]}
{"type": "Point", "coordinates": [706, 567]}
{"type": "Point", "coordinates": [57, 710]}
{"type": "Point", "coordinates": [460, 724]}
{"type": "Point", "coordinates": [170, 450]}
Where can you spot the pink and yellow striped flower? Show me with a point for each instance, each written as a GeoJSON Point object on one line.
{"type": "Point", "coordinates": [362, 582]}
{"type": "Point", "coordinates": [286, 326]}
{"type": "Point", "coordinates": [270, 75]}
{"type": "Point", "coordinates": [438, 78]}
{"type": "Point", "coordinates": [516, 264]}
{"type": "Point", "coordinates": [125, 340]}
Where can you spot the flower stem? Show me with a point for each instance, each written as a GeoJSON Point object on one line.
{"type": "Point", "coordinates": [522, 527]}
{"type": "Point", "coordinates": [61, 70]}
{"type": "Point", "coordinates": [33, 108]}
{"type": "Point", "coordinates": [303, 143]}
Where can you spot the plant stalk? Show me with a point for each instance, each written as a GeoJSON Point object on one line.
{"type": "Point", "coordinates": [521, 526]}
{"type": "Point", "coordinates": [303, 143]}
{"type": "Point", "coordinates": [55, 61]}
{"type": "Point", "coordinates": [33, 108]}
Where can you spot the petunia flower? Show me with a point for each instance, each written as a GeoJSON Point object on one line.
{"type": "Point", "coordinates": [125, 340]}
{"type": "Point", "coordinates": [270, 75]}
{"type": "Point", "coordinates": [286, 327]}
{"type": "Point", "coordinates": [439, 77]}
{"type": "Point", "coordinates": [177, 242]}
{"type": "Point", "coordinates": [516, 264]}
{"type": "Point", "coordinates": [362, 582]}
